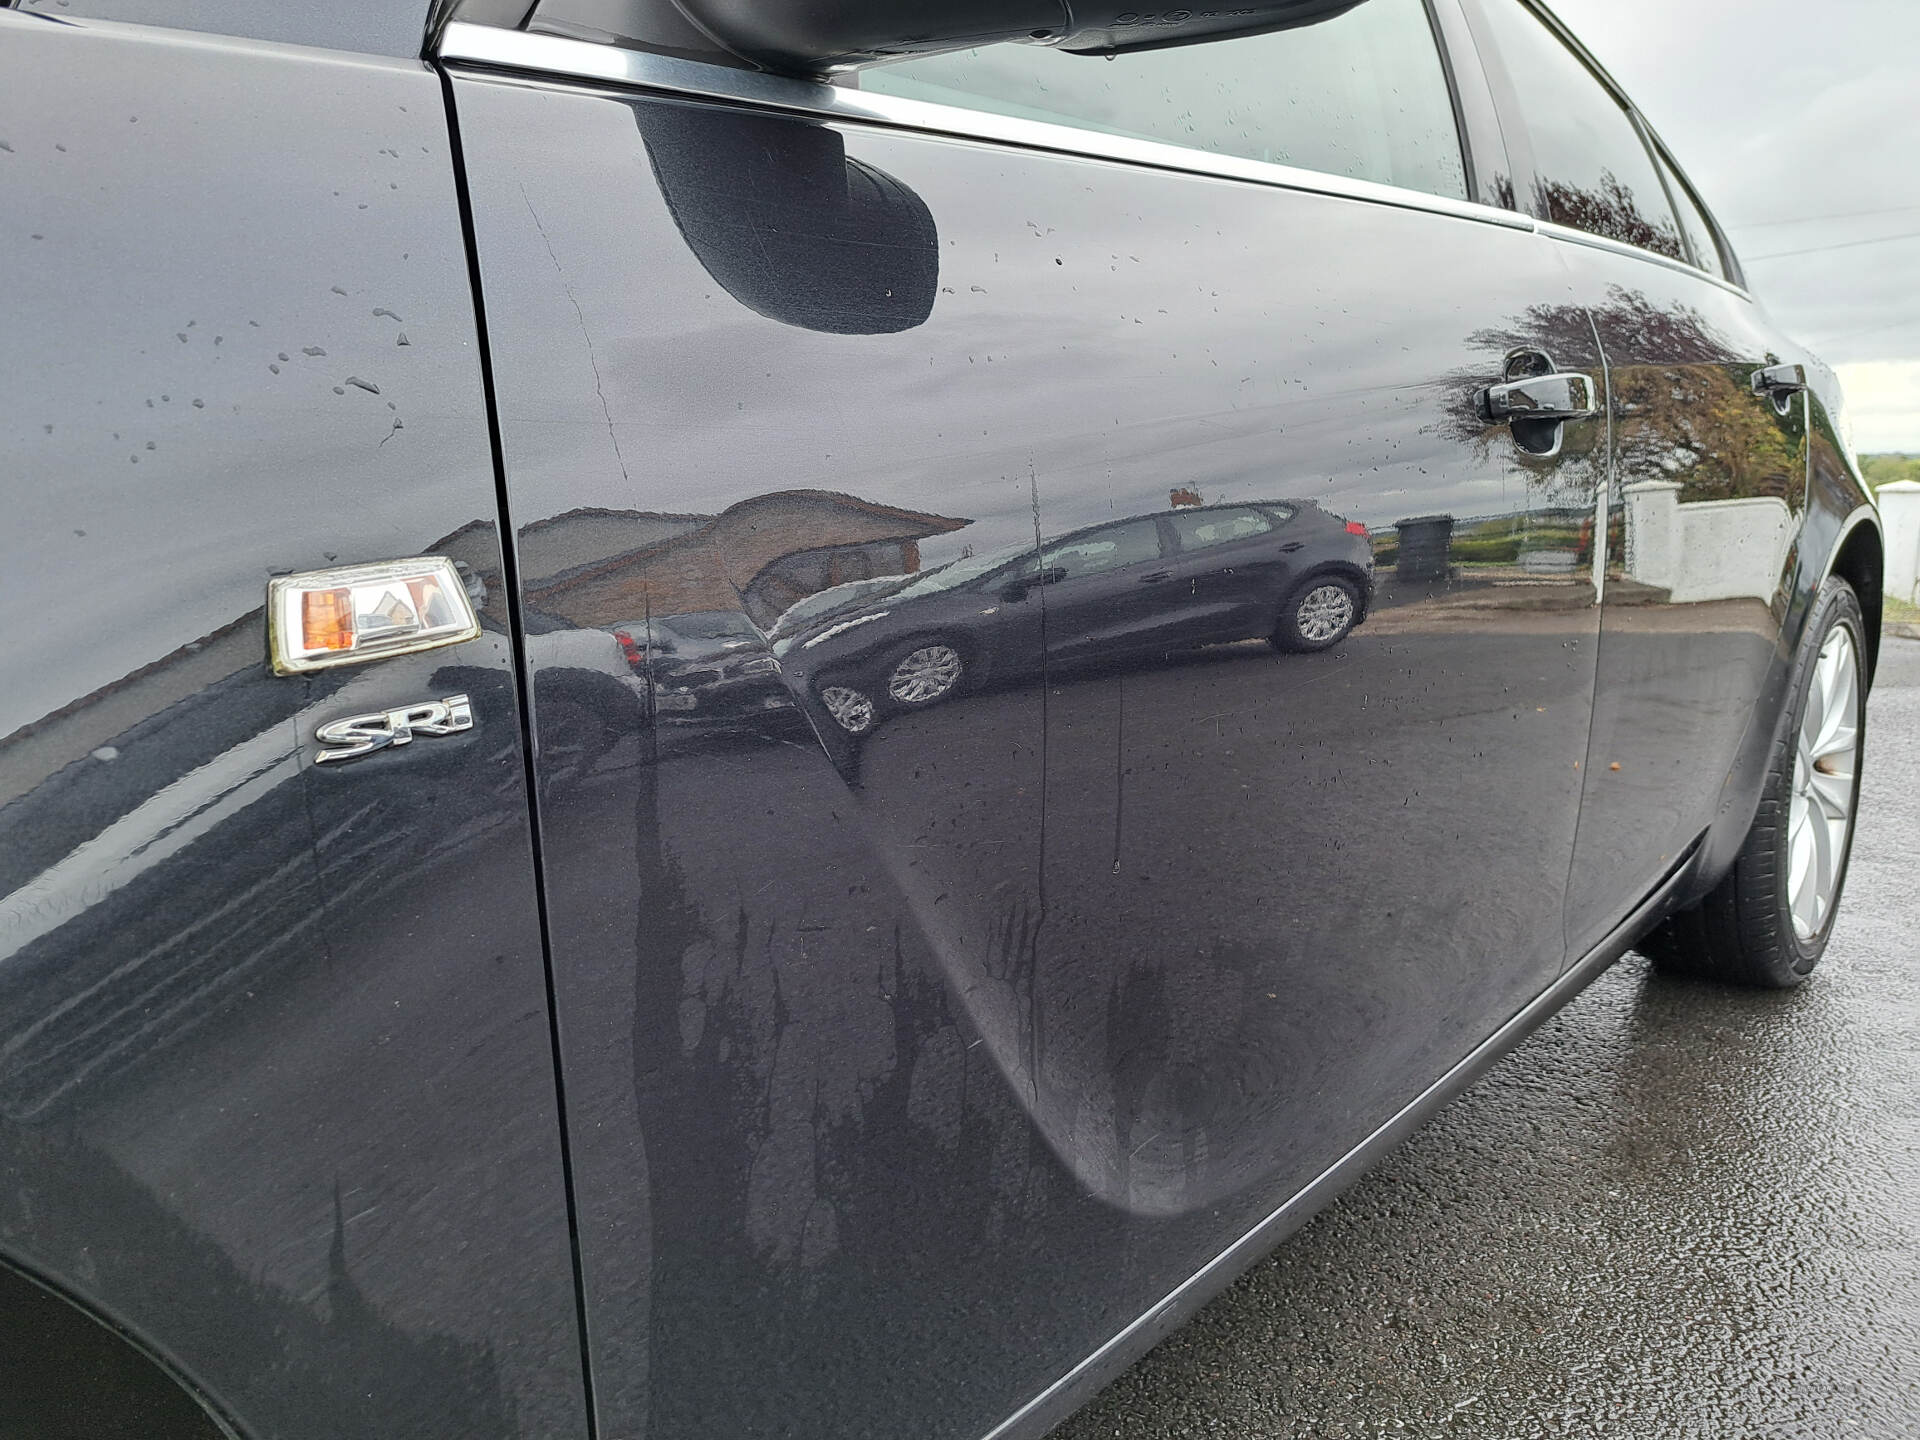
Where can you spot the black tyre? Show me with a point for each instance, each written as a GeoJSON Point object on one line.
{"type": "Point", "coordinates": [1318, 615]}
{"type": "Point", "coordinates": [1768, 920]}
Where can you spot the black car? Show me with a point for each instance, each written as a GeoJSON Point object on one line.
{"type": "Point", "coordinates": [704, 668]}
{"type": "Point", "coordinates": [1127, 590]}
{"type": "Point", "coordinates": [413, 1024]}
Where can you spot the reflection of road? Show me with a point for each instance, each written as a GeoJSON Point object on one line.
{"type": "Point", "coordinates": [1679, 1210]}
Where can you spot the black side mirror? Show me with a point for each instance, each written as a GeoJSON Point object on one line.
{"type": "Point", "coordinates": [789, 224]}
{"type": "Point", "coordinates": [806, 36]}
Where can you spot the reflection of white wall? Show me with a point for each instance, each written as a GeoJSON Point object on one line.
{"type": "Point", "coordinates": [1900, 513]}
{"type": "Point", "coordinates": [1709, 550]}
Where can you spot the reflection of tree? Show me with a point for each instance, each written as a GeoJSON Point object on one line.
{"type": "Point", "coordinates": [758, 1333]}
{"type": "Point", "coordinates": [1610, 211]}
{"type": "Point", "coordinates": [1682, 400]}
{"type": "Point", "coordinates": [1684, 407]}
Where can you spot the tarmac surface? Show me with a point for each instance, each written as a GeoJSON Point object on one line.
{"type": "Point", "coordinates": [1677, 1211]}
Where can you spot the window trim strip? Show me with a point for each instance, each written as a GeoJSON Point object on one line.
{"type": "Point", "coordinates": [1556, 231]}
{"type": "Point", "coordinates": [552, 56]}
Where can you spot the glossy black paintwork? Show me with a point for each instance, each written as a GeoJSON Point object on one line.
{"type": "Point", "coordinates": [1034, 1000]}
{"type": "Point", "coordinates": [1717, 540]}
{"type": "Point", "coordinates": [903, 1069]}
{"type": "Point", "coordinates": [1127, 592]}
{"type": "Point", "coordinates": [372, 27]}
{"type": "Point", "coordinates": [275, 1085]}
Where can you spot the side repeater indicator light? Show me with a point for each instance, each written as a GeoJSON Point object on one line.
{"type": "Point", "coordinates": [356, 613]}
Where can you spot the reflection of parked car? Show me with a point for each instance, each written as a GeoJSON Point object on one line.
{"type": "Point", "coordinates": [705, 665]}
{"type": "Point", "coordinates": [1285, 571]}
{"type": "Point", "coordinates": [594, 1067]}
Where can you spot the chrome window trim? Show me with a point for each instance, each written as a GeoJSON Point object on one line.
{"type": "Point", "coordinates": [1555, 231]}
{"type": "Point", "coordinates": [552, 56]}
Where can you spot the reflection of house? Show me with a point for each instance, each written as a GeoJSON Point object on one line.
{"type": "Point", "coordinates": [759, 556]}
{"type": "Point", "coordinates": [1707, 550]}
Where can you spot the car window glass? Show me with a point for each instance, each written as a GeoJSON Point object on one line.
{"type": "Point", "coordinates": [1198, 529]}
{"type": "Point", "coordinates": [1693, 220]}
{"type": "Point", "coordinates": [1591, 170]}
{"type": "Point", "coordinates": [1362, 94]}
{"type": "Point", "coordinates": [1106, 549]}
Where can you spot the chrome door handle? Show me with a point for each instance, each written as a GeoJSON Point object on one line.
{"type": "Point", "coordinates": [1779, 379]}
{"type": "Point", "coordinates": [1540, 397]}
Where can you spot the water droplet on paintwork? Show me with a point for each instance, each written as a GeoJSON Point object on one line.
{"type": "Point", "coordinates": [366, 385]}
{"type": "Point", "coordinates": [274, 368]}
{"type": "Point", "coordinates": [382, 310]}
{"type": "Point", "coordinates": [199, 404]}
{"type": "Point", "coordinates": [338, 291]}
{"type": "Point", "coordinates": [311, 350]}
{"type": "Point", "coordinates": [403, 339]}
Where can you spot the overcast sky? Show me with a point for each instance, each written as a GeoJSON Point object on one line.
{"type": "Point", "coordinates": [1792, 119]}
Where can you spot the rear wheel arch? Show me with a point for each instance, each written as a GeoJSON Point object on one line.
{"type": "Point", "coordinates": [73, 1375]}
{"type": "Point", "coordinates": [1339, 570]}
{"type": "Point", "coordinates": [1860, 560]}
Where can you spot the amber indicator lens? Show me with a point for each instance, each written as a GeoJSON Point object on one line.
{"type": "Point", "coordinates": [326, 620]}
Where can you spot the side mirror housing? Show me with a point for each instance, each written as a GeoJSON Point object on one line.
{"type": "Point", "coordinates": [807, 37]}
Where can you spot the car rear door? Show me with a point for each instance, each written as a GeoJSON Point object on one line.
{"type": "Point", "coordinates": [1708, 484]}
{"type": "Point", "coordinates": [907, 1069]}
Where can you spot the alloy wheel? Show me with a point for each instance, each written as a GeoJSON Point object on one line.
{"type": "Point", "coordinates": [851, 710]}
{"type": "Point", "coordinates": [1324, 612]}
{"type": "Point", "coordinates": [926, 674]}
{"type": "Point", "coordinates": [1825, 767]}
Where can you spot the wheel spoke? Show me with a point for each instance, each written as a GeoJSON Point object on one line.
{"type": "Point", "coordinates": [1815, 715]}
{"type": "Point", "coordinates": [1839, 740]}
{"type": "Point", "coordinates": [1833, 794]}
{"type": "Point", "coordinates": [1800, 881]}
{"type": "Point", "coordinates": [1823, 866]}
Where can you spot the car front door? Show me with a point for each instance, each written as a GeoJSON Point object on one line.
{"type": "Point", "coordinates": [1028, 1004]}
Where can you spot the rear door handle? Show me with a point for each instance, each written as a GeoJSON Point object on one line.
{"type": "Point", "coordinates": [1292, 545]}
{"type": "Point", "coordinates": [1154, 577]}
{"type": "Point", "coordinates": [1541, 397]}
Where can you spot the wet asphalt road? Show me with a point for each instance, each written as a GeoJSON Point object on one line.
{"type": "Point", "coordinates": [1677, 1211]}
